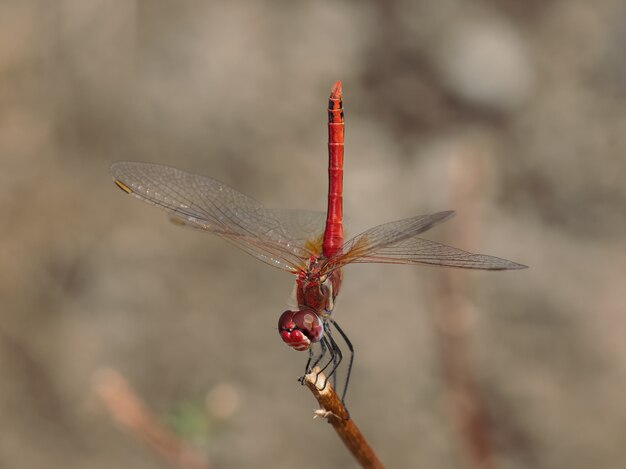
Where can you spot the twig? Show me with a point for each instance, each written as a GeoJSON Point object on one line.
{"type": "Point", "coordinates": [335, 412]}
{"type": "Point", "coordinates": [129, 411]}
{"type": "Point", "coordinates": [469, 169]}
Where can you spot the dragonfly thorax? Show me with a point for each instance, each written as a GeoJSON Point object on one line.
{"type": "Point", "coordinates": [314, 270]}
{"type": "Point", "coordinates": [316, 289]}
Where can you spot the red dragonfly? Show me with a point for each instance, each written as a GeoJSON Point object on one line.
{"type": "Point", "coordinates": [308, 244]}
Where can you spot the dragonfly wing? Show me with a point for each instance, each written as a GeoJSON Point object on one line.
{"type": "Point", "coordinates": [397, 243]}
{"type": "Point", "coordinates": [423, 251]}
{"type": "Point", "coordinates": [204, 203]}
{"type": "Point", "coordinates": [301, 225]}
{"type": "Point", "coordinates": [390, 233]}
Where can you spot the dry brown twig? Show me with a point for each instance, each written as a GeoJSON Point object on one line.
{"type": "Point", "coordinates": [469, 171]}
{"type": "Point", "coordinates": [130, 412]}
{"type": "Point", "coordinates": [336, 414]}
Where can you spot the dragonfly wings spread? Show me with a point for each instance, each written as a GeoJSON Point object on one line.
{"type": "Point", "coordinates": [397, 243]}
{"type": "Point", "coordinates": [286, 238]}
{"type": "Point", "coordinates": [273, 236]}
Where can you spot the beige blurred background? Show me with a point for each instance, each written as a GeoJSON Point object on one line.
{"type": "Point", "coordinates": [510, 112]}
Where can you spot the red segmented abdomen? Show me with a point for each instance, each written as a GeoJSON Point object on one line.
{"type": "Point", "coordinates": [333, 234]}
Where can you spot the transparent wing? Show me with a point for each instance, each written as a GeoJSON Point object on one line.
{"type": "Point", "coordinates": [397, 243]}
{"type": "Point", "coordinates": [276, 237]}
{"type": "Point", "coordinates": [387, 234]}
{"type": "Point", "coordinates": [301, 225]}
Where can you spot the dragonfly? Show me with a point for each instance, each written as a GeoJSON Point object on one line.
{"type": "Point", "coordinates": [308, 244]}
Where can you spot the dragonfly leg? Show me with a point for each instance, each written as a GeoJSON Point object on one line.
{"type": "Point", "coordinates": [322, 354]}
{"type": "Point", "coordinates": [307, 367]}
{"type": "Point", "coordinates": [314, 359]}
{"type": "Point", "coordinates": [327, 345]}
{"type": "Point", "coordinates": [350, 361]}
{"type": "Point", "coordinates": [336, 356]}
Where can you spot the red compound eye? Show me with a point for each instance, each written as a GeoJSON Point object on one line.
{"type": "Point", "coordinates": [299, 329]}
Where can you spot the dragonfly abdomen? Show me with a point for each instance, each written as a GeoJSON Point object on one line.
{"type": "Point", "coordinates": [333, 234]}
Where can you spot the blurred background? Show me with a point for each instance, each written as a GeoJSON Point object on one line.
{"type": "Point", "coordinates": [511, 113]}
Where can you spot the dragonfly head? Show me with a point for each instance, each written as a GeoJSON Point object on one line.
{"type": "Point", "coordinates": [299, 329]}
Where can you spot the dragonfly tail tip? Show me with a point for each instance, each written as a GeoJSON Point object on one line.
{"type": "Point", "coordinates": [335, 93]}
